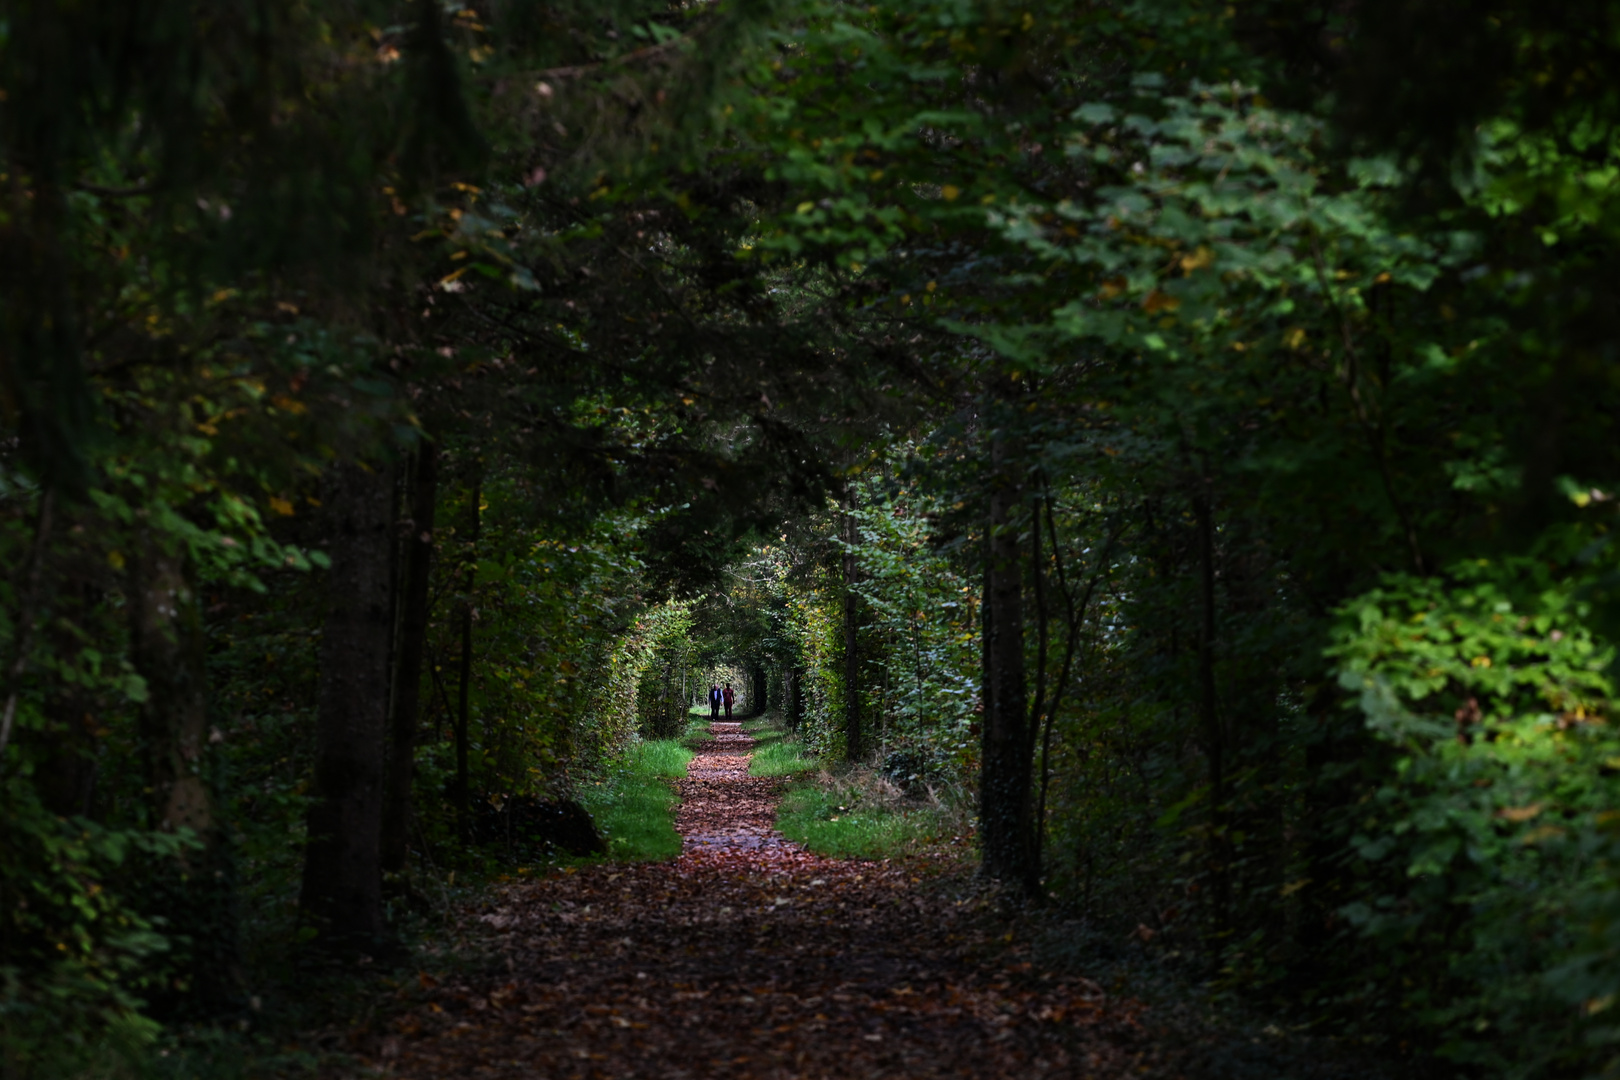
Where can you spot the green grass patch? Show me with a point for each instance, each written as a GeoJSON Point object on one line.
{"type": "Point", "coordinates": [697, 729]}
{"type": "Point", "coordinates": [634, 805]}
{"type": "Point", "coordinates": [775, 752]}
{"type": "Point", "coordinates": [776, 755]}
{"type": "Point", "coordinates": [842, 821]}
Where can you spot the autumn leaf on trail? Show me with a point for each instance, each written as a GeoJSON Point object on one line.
{"type": "Point", "coordinates": [747, 957]}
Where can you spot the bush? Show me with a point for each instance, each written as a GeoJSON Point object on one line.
{"type": "Point", "coordinates": [1494, 840]}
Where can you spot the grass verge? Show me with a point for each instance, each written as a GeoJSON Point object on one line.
{"type": "Point", "coordinates": [862, 815]}
{"type": "Point", "coordinates": [777, 755]}
{"type": "Point", "coordinates": [634, 806]}
{"type": "Point", "coordinates": [697, 727]}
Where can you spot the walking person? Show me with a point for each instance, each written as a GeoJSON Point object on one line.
{"type": "Point", "coordinates": [714, 701]}
{"type": "Point", "coordinates": [730, 697]}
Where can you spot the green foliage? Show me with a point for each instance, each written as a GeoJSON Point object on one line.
{"type": "Point", "coordinates": [919, 628]}
{"type": "Point", "coordinates": [1292, 335]}
{"type": "Point", "coordinates": [74, 946]}
{"type": "Point", "coordinates": [1498, 813]}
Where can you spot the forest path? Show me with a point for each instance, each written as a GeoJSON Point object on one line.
{"type": "Point", "coordinates": [750, 957]}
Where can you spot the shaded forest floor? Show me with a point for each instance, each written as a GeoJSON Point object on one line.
{"type": "Point", "coordinates": [750, 957]}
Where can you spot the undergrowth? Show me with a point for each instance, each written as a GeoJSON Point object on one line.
{"type": "Point", "coordinates": [633, 804]}
{"type": "Point", "coordinates": [861, 814]}
{"type": "Point", "coordinates": [777, 755]}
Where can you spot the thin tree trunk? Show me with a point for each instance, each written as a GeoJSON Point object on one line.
{"type": "Point", "coordinates": [413, 627]}
{"type": "Point", "coordinates": [463, 717]}
{"type": "Point", "coordinates": [66, 769]}
{"type": "Point", "coordinates": [852, 668]}
{"type": "Point", "coordinates": [1208, 715]}
{"type": "Point", "coordinates": [1006, 825]}
{"type": "Point", "coordinates": [796, 700]}
{"type": "Point", "coordinates": [1037, 709]}
{"type": "Point", "coordinates": [342, 886]}
{"type": "Point", "coordinates": [1074, 615]}
{"type": "Point", "coordinates": [28, 592]}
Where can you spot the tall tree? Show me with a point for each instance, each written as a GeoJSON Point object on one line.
{"type": "Point", "coordinates": [194, 892]}
{"type": "Point", "coordinates": [405, 702]}
{"type": "Point", "coordinates": [342, 883]}
{"type": "Point", "coordinates": [1005, 796]}
{"type": "Point", "coordinates": [469, 577]}
{"type": "Point", "coordinates": [852, 638]}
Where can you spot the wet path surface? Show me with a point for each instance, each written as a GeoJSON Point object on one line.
{"type": "Point", "coordinates": [749, 957]}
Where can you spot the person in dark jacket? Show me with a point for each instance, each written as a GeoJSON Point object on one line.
{"type": "Point", "coordinates": [714, 701]}
{"type": "Point", "coordinates": [729, 698]}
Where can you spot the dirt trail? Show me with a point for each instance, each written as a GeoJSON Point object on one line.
{"type": "Point", "coordinates": [749, 957]}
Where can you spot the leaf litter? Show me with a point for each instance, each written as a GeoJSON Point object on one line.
{"type": "Point", "coordinates": [750, 957]}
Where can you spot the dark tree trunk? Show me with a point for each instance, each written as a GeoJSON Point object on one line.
{"type": "Point", "coordinates": [66, 774]}
{"type": "Point", "coordinates": [1005, 812]}
{"type": "Point", "coordinates": [852, 657]}
{"type": "Point", "coordinates": [795, 696]}
{"type": "Point", "coordinates": [194, 892]}
{"type": "Point", "coordinates": [758, 693]}
{"type": "Point", "coordinates": [413, 626]}
{"type": "Point", "coordinates": [1209, 716]}
{"type": "Point", "coordinates": [464, 711]}
{"type": "Point", "coordinates": [342, 886]}
{"type": "Point", "coordinates": [29, 594]}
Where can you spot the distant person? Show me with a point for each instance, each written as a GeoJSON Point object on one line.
{"type": "Point", "coordinates": [714, 701]}
{"type": "Point", "coordinates": [730, 697]}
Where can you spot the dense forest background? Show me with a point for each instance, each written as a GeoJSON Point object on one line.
{"type": "Point", "coordinates": [1183, 432]}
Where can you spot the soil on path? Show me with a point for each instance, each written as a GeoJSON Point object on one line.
{"type": "Point", "coordinates": [749, 957]}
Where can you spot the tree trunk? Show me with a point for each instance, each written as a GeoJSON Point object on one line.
{"type": "Point", "coordinates": [342, 886]}
{"type": "Point", "coordinates": [65, 775]}
{"type": "Point", "coordinates": [194, 892]}
{"type": "Point", "coordinates": [464, 712]}
{"type": "Point", "coordinates": [413, 626]}
{"type": "Point", "coordinates": [852, 666]}
{"type": "Point", "coordinates": [1006, 829]}
{"type": "Point", "coordinates": [795, 696]}
{"type": "Point", "coordinates": [168, 651]}
{"type": "Point", "coordinates": [758, 694]}
{"type": "Point", "coordinates": [28, 593]}
{"type": "Point", "coordinates": [1209, 717]}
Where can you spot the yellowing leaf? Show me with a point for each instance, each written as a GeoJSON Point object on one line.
{"type": "Point", "coordinates": [115, 559]}
{"type": "Point", "coordinates": [284, 507]}
{"type": "Point", "coordinates": [950, 191]}
{"type": "Point", "coordinates": [1157, 301]}
{"type": "Point", "coordinates": [1199, 259]}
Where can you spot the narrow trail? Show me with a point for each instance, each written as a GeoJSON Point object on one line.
{"type": "Point", "coordinates": [749, 957]}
